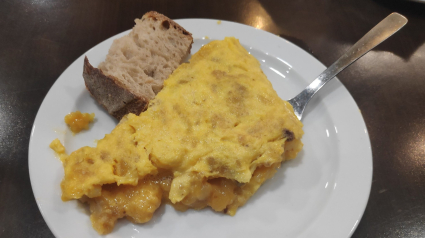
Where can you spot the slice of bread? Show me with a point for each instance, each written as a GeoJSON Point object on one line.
{"type": "Point", "coordinates": [137, 65]}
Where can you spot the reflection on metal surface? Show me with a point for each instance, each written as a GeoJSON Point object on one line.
{"type": "Point", "coordinates": [379, 33]}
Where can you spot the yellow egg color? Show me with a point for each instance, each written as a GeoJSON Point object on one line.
{"type": "Point", "coordinates": [211, 137]}
{"type": "Point", "coordinates": [78, 121]}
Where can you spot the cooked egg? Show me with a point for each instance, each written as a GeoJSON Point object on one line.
{"type": "Point", "coordinates": [211, 137]}
{"type": "Point", "coordinates": [78, 121]}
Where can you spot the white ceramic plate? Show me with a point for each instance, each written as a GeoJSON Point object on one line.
{"type": "Point", "coordinates": [321, 193]}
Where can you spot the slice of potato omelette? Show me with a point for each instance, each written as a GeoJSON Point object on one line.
{"type": "Point", "coordinates": [211, 137]}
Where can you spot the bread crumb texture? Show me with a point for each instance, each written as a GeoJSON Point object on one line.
{"type": "Point", "coordinates": [143, 59]}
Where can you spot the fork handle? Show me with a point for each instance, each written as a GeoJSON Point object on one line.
{"type": "Point", "coordinates": [386, 28]}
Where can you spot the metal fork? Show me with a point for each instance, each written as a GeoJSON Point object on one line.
{"type": "Point", "coordinates": [386, 28]}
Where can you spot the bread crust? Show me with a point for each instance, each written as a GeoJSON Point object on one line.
{"type": "Point", "coordinates": [117, 100]}
{"type": "Point", "coordinates": [111, 93]}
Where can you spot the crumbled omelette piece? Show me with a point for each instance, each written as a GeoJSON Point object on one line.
{"type": "Point", "coordinates": [57, 146]}
{"type": "Point", "coordinates": [78, 121]}
{"type": "Point", "coordinates": [211, 137]}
